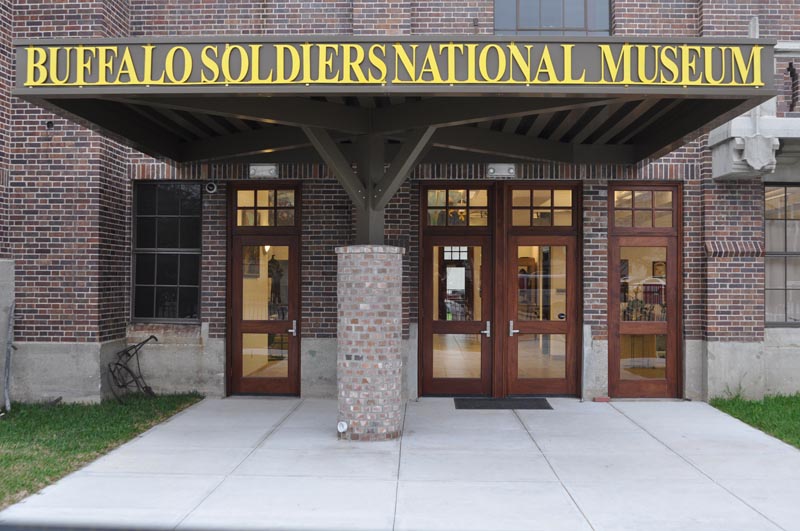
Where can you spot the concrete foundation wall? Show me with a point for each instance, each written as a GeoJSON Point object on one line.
{"type": "Point", "coordinates": [594, 376]}
{"type": "Point", "coordinates": [6, 298]}
{"type": "Point", "coordinates": [735, 369]}
{"type": "Point", "coordinates": [411, 363]}
{"type": "Point", "coordinates": [781, 361]}
{"type": "Point", "coordinates": [695, 370]}
{"type": "Point", "coordinates": [318, 368]}
{"type": "Point", "coordinates": [71, 371]}
{"type": "Point", "coordinates": [184, 359]}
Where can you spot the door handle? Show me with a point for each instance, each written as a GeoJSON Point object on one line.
{"type": "Point", "coordinates": [293, 329]}
{"type": "Point", "coordinates": [488, 331]}
{"type": "Point", "coordinates": [511, 329]}
{"type": "Point", "coordinates": [562, 316]}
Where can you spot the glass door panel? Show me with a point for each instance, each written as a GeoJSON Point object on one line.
{"type": "Point", "coordinates": [265, 346]}
{"type": "Point", "coordinates": [541, 297]}
{"type": "Point", "coordinates": [642, 335]}
{"type": "Point", "coordinates": [457, 302]}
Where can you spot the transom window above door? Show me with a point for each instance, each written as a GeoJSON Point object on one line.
{"type": "Point", "coordinates": [457, 207]}
{"type": "Point", "coordinates": [265, 208]}
{"type": "Point", "coordinates": [552, 17]}
{"type": "Point", "coordinates": [643, 209]}
{"type": "Point", "coordinates": [550, 207]}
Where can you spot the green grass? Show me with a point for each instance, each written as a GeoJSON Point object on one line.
{"type": "Point", "coordinates": [777, 415]}
{"type": "Point", "coordinates": [40, 443]}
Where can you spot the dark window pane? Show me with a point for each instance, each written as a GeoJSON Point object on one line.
{"type": "Point", "coordinates": [145, 269]}
{"type": "Point", "coordinates": [792, 235]}
{"type": "Point", "coordinates": [573, 14]}
{"type": "Point", "coordinates": [190, 199]}
{"type": "Point", "coordinates": [776, 235]}
{"type": "Point", "coordinates": [167, 269]}
{"type": "Point", "coordinates": [190, 233]}
{"type": "Point", "coordinates": [168, 199]}
{"type": "Point", "coordinates": [775, 305]}
{"type": "Point", "coordinates": [190, 270]}
{"type": "Point", "coordinates": [144, 302]}
{"type": "Point", "coordinates": [145, 198]}
{"type": "Point", "coordinates": [793, 306]}
{"type": "Point", "coordinates": [285, 217]}
{"type": "Point", "coordinates": [792, 272]}
{"type": "Point", "coordinates": [552, 13]}
{"type": "Point", "coordinates": [505, 14]}
{"type": "Point", "coordinates": [793, 203]}
{"type": "Point", "coordinates": [598, 15]}
{"type": "Point", "coordinates": [146, 233]}
{"type": "Point", "coordinates": [166, 302]}
{"type": "Point", "coordinates": [529, 13]}
{"type": "Point", "coordinates": [776, 272]}
{"type": "Point", "coordinates": [168, 233]}
{"type": "Point", "coordinates": [187, 307]}
{"type": "Point", "coordinates": [172, 220]}
{"type": "Point", "coordinates": [436, 217]}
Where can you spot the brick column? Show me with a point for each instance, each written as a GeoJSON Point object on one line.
{"type": "Point", "coordinates": [369, 362]}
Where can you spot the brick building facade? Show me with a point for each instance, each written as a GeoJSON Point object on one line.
{"type": "Point", "coordinates": [67, 212]}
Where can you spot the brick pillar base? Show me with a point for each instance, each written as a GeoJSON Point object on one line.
{"type": "Point", "coordinates": [369, 363]}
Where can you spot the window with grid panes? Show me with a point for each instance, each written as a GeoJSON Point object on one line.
{"type": "Point", "coordinates": [782, 228]}
{"type": "Point", "coordinates": [167, 251]}
{"type": "Point", "coordinates": [457, 208]}
{"type": "Point", "coordinates": [552, 17]}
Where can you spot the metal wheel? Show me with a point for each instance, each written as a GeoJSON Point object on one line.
{"type": "Point", "coordinates": [119, 378]}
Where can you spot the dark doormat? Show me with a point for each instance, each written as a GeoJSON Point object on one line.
{"type": "Point", "coordinates": [502, 403]}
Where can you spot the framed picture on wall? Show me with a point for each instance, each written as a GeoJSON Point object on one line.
{"type": "Point", "coordinates": [251, 258]}
{"type": "Point", "coordinates": [660, 269]}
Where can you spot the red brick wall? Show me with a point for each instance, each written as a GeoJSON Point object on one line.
{"type": "Point", "coordinates": [778, 19]}
{"type": "Point", "coordinates": [381, 17]}
{"type": "Point", "coordinates": [6, 61]}
{"type": "Point", "coordinates": [655, 17]}
{"type": "Point", "coordinates": [67, 199]}
{"type": "Point", "coordinates": [240, 17]}
{"type": "Point", "coordinates": [452, 16]}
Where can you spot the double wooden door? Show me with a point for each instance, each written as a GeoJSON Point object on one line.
{"type": "Point", "coordinates": [500, 303]}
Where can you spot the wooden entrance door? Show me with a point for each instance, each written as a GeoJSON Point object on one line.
{"type": "Point", "coordinates": [456, 310]}
{"type": "Point", "coordinates": [264, 287]}
{"type": "Point", "coordinates": [500, 293]}
{"type": "Point", "coordinates": [266, 347]}
{"type": "Point", "coordinates": [643, 329]}
{"type": "Point", "coordinates": [644, 307]}
{"type": "Point", "coordinates": [542, 311]}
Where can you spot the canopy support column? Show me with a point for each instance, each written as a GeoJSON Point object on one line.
{"type": "Point", "coordinates": [370, 218]}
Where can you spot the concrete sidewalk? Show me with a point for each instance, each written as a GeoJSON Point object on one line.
{"type": "Point", "coordinates": [248, 463]}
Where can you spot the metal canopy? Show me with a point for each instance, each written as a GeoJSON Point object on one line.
{"type": "Point", "coordinates": [372, 103]}
{"type": "Point", "coordinates": [246, 128]}
{"type": "Point", "coordinates": [586, 100]}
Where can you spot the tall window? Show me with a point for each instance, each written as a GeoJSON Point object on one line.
{"type": "Point", "coordinates": [167, 251]}
{"type": "Point", "coordinates": [782, 224]}
{"type": "Point", "coordinates": [552, 17]}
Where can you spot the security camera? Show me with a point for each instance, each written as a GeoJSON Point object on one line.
{"type": "Point", "coordinates": [211, 187]}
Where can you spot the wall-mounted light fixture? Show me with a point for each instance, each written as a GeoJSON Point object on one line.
{"type": "Point", "coordinates": [501, 170]}
{"type": "Point", "coordinates": [263, 171]}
